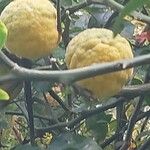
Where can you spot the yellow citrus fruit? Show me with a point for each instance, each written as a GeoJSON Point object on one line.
{"type": "Point", "coordinates": [32, 27]}
{"type": "Point", "coordinates": [94, 46]}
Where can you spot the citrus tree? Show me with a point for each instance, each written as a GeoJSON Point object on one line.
{"type": "Point", "coordinates": [74, 74]}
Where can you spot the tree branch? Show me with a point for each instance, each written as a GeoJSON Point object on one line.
{"type": "Point", "coordinates": [111, 3]}
{"type": "Point", "coordinates": [133, 118]}
{"type": "Point", "coordinates": [134, 90]}
{"type": "Point", "coordinates": [69, 76]}
{"type": "Point", "coordinates": [65, 35]}
{"type": "Point", "coordinates": [84, 115]}
{"type": "Point", "coordinates": [113, 137]}
{"type": "Point", "coordinates": [134, 14]}
{"type": "Point", "coordinates": [35, 116]}
{"type": "Point", "coordinates": [59, 100]}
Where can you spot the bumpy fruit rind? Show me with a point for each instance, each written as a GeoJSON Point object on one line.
{"type": "Point", "coordinates": [94, 46]}
{"type": "Point", "coordinates": [32, 28]}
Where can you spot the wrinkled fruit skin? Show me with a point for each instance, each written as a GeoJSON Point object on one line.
{"type": "Point", "coordinates": [32, 28]}
{"type": "Point", "coordinates": [94, 46]}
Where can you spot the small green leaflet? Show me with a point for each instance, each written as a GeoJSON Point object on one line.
{"type": "Point", "coordinates": [131, 6]}
{"type": "Point", "coordinates": [3, 95]}
{"type": "Point", "coordinates": [3, 34]}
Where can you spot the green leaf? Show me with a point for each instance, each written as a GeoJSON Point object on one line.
{"type": "Point", "coordinates": [3, 34]}
{"type": "Point", "coordinates": [3, 95]}
{"type": "Point", "coordinates": [98, 125]}
{"type": "Point", "coordinates": [113, 126]}
{"type": "Point", "coordinates": [136, 80]}
{"type": "Point", "coordinates": [131, 6]}
{"type": "Point", "coordinates": [68, 141]}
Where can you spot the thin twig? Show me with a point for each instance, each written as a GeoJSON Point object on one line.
{"type": "Point", "coordinates": [134, 90]}
{"type": "Point", "coordinates": [73, 122]}
{"type": "Point", "coordinates": [23, 112]}
{"type": "Point", "coordinates": [75, 8]}
{"type": "Point", "coordinates": [82, 116]}
{"type": "Point", "coordinates": [131, 124]}
{"type": "Point", "coordinates": [113, 137]}
{"type": "Point", "coordinates": [41, 131]}
{"type": "Point", "coordinates": [65, 35]}
{"type": "Point", "coordinates": [87, 113]}
{"type": "Point", "coordinates": [111, 3]}
{"type": "Point", "coordinates": [59, 100]}
{"type": "Point", "coordinates": [49, 110]}
{"type": "Point", "coordinates": [35, 116]}
{"type": "Point", "coordinates": [134, 14]}
{"type": "Point", "coordinates": [132, 120]}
